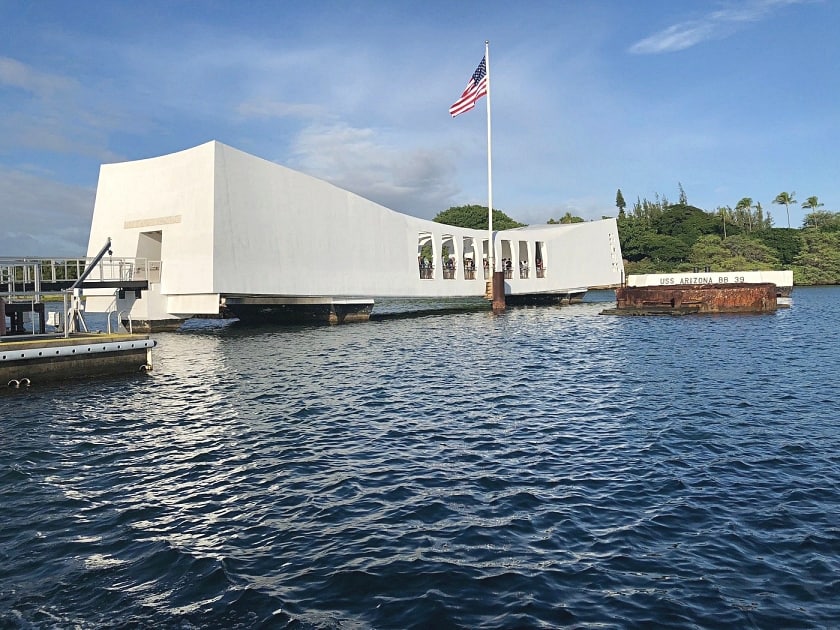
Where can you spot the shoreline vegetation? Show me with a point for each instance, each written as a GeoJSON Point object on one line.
{"type": "Point", "coordinates": [663, 237]}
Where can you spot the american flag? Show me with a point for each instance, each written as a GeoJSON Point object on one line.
{"type": "Point", "coordinates": [476, 88]}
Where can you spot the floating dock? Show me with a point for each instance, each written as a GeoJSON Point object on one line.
{"type": "Point", "coordinates": [35, 359]}
{"type": "Point", "coordinates": [31, 353]}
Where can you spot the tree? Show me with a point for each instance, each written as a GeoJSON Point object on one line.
{"type": "Point", "coordinates": [633, 234]}
{"type": "Point", "coordinates": [812, 203]}
{"type": "Point", "coordinates": [683, 199]}
{"type": "Point", "coordinates": [762, 222]}
{"type": "Point", "coordinates": [750, 253]}
{"type": "Point", "coordinates": [686, 223]}
{"type": "Point", "coordinates": [819, 260]}
{"type": "Point", "coordinates": [787, 242]}
{"type": "Point", "coordinates": [744, 209]}
{"type": "Point", "coordinates": [785, 199]}
{"type": "Point", "coordinates": [724, 212]}
{"type": "Point", "coordinates": [566, 218]}
{"type": "Point", "coordinates": [665, 248]}
{"type": "Point", "coordinates": [826, 221]}
{"type": "Point", "coordinates": [650, 210]}
{"type": "Point", "coordinates": [709, 250]}
{"type": "Point", "coordinates": [475, 217]}
{"type": "Point", "coordinates": [620, 203]}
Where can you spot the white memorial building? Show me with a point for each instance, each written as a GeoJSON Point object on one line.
{"type": "Point", "coordinates": [214, 229]}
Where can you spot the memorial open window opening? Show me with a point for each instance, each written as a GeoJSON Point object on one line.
{"type": "Point", "coordinates": [425, 256]}
{"type": "Point", "coordinates": [507, 259]}
{"type": "Point", "coordinates": [448, 257]}
{"type": "Point", "coordinates": [540, 261]}
{"type": "Point", "coordinates": [524, 260]}
{"type": "Point", "coordinates": [469, 258]}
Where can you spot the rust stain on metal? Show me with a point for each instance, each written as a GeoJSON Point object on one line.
{"type": "Point", "coordinates": [693, 298]}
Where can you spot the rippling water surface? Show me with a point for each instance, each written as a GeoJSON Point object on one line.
{"type": "Point", "coordinates": [547, 467]}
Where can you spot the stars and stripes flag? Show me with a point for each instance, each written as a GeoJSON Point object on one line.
{"type": "Point", "coordinates": [476, 88]}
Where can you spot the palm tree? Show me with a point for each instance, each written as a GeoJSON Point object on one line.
{"type": "Point", "coordinates": [744, 207]}
{"type": "Point", "coordinates": [813, 203]}
{"type": "Point", "coordinates": [785, 199]}
{"type": "Point", "coordinates": [724, 210]}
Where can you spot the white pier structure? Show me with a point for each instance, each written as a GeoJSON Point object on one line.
{"type": "Point", "coordinates": [222, 229]}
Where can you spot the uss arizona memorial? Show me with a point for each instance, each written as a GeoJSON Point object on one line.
{"type": "Point", "coordinates": [215, 229]}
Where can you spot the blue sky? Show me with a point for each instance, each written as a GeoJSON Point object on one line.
{"type": "Point", "coordinates": [732, 99]}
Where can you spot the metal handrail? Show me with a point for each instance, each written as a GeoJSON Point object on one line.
{"type": "Point", "coordinates": [108, 321]}
{"type": "Point", "coordinates": [130, 323]}
{"type": "Point", "coordinates": [15, 272]}
{"type": "Point", "coordinates": [23, 279]}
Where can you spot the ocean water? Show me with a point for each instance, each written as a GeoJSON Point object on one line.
{"type": "Point", "coordinates": [543, 468]}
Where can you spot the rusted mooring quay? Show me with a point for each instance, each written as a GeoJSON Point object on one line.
{"type": "Point", "coordinates": [687, 299]}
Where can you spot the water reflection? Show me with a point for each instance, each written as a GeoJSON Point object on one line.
{"type": "Point", "coordinates": [462, 470]}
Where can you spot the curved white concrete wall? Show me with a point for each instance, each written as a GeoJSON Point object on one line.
{"type": "Point", "coordinates": [229, 223]}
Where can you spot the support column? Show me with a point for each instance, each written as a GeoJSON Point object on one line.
{"type": "Point", "coordinates": [498, 291]}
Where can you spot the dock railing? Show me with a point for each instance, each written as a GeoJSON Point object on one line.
{"type": "Point", "coordinates": [37, 275]}
{"type": "Point", "coordinates": [26, 281]}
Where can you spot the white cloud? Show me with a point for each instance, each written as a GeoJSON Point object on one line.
{"type": "Point", "coordinates": [15, 74]}
{"type": "Point", "coordinates": [44, 217]}
{"type": "Point", "coordinates": [715, 25]}
{"type": "Point", "coordinates": [277, 109]}
{"type": "Point", "coordinates": [676, 37]}
{"type": "Point", "coordinates": [63, 117]}
{"type": "Point", "coordinates": [416, 181]}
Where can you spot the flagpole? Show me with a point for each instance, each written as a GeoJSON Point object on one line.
{"type": "Point", "coordinates": [490, 252]}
